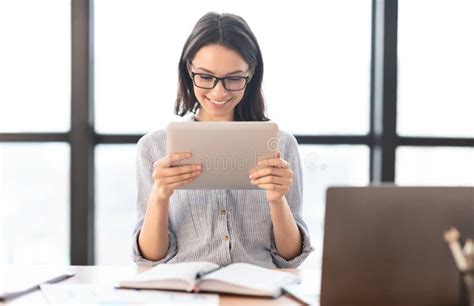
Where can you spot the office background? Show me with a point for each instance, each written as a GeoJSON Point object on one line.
{"type": "Point", "coordinates": [374, 91]}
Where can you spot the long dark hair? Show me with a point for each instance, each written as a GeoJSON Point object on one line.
{"type": "Point", "coordinates": [230, 31]}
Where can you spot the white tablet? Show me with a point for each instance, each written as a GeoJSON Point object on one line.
{"type": "Point", "coordinates": [228, 151]}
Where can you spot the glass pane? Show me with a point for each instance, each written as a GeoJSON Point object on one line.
{"type": "Point", "coordinates": [435, 166]}
{"type": "Point", "coordinates": [115, 209]}
{"type": "Point", "coordinates": [34, 203]}
{"type": "Point", "coordinates": [435, 68]}
{"type": "Point", "coordinates": [313, 61]}
{"type": "Point", "coordinates": [325, 166]}
{"type": "Point", "coordinates": [35, 60]}
{"type": "Point", "coordinates": [115, 203]}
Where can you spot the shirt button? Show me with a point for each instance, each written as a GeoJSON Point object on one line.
{"type": "Point", "coordinates": [223, 212]}
{"type": "Point", "coordinates": [226, 237]}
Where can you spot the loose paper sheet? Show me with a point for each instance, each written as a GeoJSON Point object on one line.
{"type": "Point", "coordinates": [108, 295]}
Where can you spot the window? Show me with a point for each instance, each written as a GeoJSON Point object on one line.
{"type": "Point", "coordinates": [35, 65]}
{"type": "Point", "coordinates": [115, 203]}
{"type": "Point", "coordinates": [435, 68]}
{"type": "Point", "coordinates": [34, 203]}
{"type": "Point", "coordinates": [321, 84]}
{"type": "Point", "coordinates": [435, 166]}
{"type": "Point", "coordinates": [325, 166]}
{"type": "Point", "coordinates": [311, 73]}
{"type": "Point", "coordinates": [35, 91]}
{"type": "Point", "coordinates": [136, 81]}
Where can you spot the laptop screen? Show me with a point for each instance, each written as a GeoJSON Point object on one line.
{"type": "Point", "coordinates": [385, 244]}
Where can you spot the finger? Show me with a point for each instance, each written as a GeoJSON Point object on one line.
{"type": "Point", "coordinates": [271, 180]}
{"type": "Point", "coordinates": [181, 183]}
{"type": "Point", "coordinates": [269, 171]}
{"type": "Point", "coordinates": [167, 172]}
{"type": "Point", "coordinates": [274, 162]}
{"type": "Point", "coordinates": [271, 187]}
{"type": "Point", "coordinates": [181, 177]}
{"type": "Point", "coordinates": [166, 161]}
{"type": "Point", "coordinates": [277, 155]}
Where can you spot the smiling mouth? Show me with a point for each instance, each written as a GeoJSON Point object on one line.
{"type": "Point", "coordinates": [217, 102]}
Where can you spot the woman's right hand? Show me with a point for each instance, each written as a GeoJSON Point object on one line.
{"type": "Point", "coordinates": [167, 178]}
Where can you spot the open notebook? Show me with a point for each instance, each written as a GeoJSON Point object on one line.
{"type": "Point", "coordinates": [237, 278]}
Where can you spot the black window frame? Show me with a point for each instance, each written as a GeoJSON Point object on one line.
{"type": "Point", "coordinates": [382, 138]}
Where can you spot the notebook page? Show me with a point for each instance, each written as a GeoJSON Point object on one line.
{"type": "Point", "coordinates": [186, 271]}
{"type": "Point", "coordinates": [251, 276]}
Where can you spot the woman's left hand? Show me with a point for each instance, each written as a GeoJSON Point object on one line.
{"type": "Point", "coordinates": [273, 175]}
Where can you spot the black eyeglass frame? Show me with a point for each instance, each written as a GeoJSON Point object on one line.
{"type": "Point", "coordinates": [217, 79]}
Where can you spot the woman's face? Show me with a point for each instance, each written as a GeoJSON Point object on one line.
{"type": "Point", "coordinates": [218, 104]}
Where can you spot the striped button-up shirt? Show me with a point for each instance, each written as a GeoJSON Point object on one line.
{"type": "Point", "coordinates": [220, 226]}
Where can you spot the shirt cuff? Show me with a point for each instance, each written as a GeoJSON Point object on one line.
{"type": "Point", "coordinates": [141, 261]}
{"type": "Point", "coordinates": [281, 262]}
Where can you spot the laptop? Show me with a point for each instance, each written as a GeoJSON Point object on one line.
{"type": "Point", "coordinates": [228, 151]}
{"type": "Point", "coordinates": [384, 245]}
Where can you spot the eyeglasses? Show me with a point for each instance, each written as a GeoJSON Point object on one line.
{"type": "Point", "coordinates": [230, 83]}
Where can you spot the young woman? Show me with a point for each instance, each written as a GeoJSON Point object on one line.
{"type": "Point", "coordinates": [220, 78]}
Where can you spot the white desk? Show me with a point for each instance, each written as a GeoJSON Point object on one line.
{"type": "Point", "coordinates": [110, 275]}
